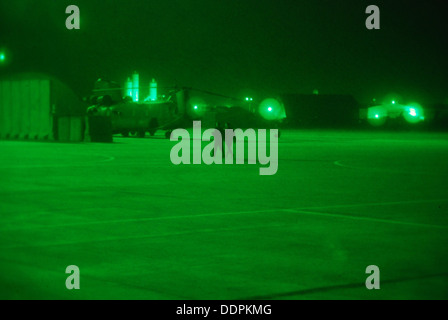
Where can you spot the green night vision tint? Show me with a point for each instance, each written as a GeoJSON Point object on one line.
{"type": "Point", "coordinates": [272, 109]}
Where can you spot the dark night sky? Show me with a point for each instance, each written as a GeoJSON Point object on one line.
{"type": "Point", "coordinates": [236, 47]}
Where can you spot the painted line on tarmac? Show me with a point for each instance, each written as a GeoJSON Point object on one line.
{"type": "Point", "coordinates": [339, 164]}
{"type": "Point", "coordinates": [343, 216]}
{"type": "Point", "coordinates": [369, 204]}
{"type": "Point", "coordinates": [143, 219]}
{"type": "Point", "coordinates": [64, 164]}
{"type": "Point", "coordinates": [278, 210]}
{"type": "Point", "coordinates": [161, 235]}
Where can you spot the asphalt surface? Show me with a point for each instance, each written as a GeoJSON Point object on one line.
{"type": "Point", "coordinates": [139, 227]}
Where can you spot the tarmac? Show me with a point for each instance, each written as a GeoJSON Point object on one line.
{"type": "Point", "coordinates": [140, 227]}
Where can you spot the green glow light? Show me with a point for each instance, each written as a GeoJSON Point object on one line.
{"type": "Point", "coordinates": [196, 107]}
{"type": "Point", "coordinates": [247, 98]}
{"type": "Point", "coordinates": [272, 109]}
{"type": "Point", "coordinates": [376, 115]}
{"type": "Point", "coordinates": [414, 113]}
{"type": "Point", "coordinates": [393, 101]}
{"type": "Point", "coordinates": [2, 57]}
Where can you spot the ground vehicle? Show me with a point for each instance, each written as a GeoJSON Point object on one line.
{"type": "Point", "coordinates": [378, 115]}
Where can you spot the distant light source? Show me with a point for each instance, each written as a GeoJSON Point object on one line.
{"type": "Point", "coordinates": [272, 109]}
{"type": "Point", "coordinates": [247, 98]}
{"type": "Point", "coordinates": [153, 90]}
{"type": "Point", "coordinates": [135, 86]}
{"type": "Point", "coordinates": [195, 107]}
{"type": "Point", "coordinates": [414, 113]}
{"type": "Point", "coordinates": [2, 57]}
{"type": "Point", "coordinates": [377, 115]}
{"type": "Point", "coordinates": [393, 101]}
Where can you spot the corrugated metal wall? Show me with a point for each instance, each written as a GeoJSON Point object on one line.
{"type": "Point", "coordinates": [25, 110]}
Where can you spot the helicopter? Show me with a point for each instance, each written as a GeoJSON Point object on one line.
{"type": "Point", "coordinates": [129, 116]}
